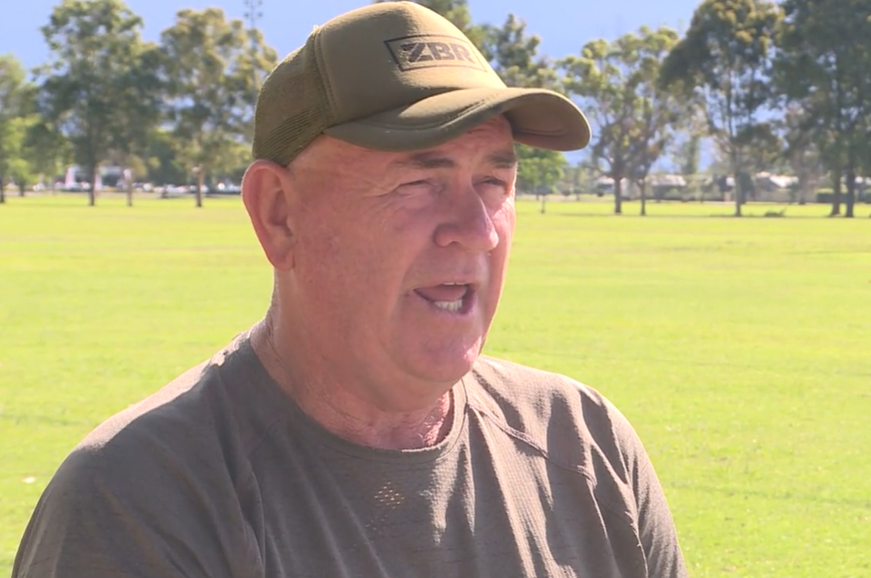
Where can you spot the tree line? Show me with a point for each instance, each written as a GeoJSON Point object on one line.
{"type": "Point", "coordinates": [772, 86]}
{"type": "Point", "coordinates": [165, 111]}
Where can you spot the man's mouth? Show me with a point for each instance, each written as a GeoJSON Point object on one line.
{"type": "Point", "coordinates": [448, 297]}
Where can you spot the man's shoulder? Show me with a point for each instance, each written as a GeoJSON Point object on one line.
{"type": "Point", "coordinates": [211, 397]}
{"type": "Point", "coordinates": [184, 404]}
{"type": "Point", "coordinates": [169, 469]}
{"type": "Point", "coordinates": [565, 420]}
{"type": "Point", "coordinates": [173, 405]}
{"type": "Point", "coordinates": [199, 421]}
{"type": "Point", "coordinates": [537, 389]}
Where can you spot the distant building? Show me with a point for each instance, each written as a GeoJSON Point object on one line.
{"type": "Point", "coordinates": [77, 176]}
{"type": "Point", "coordinates": [657, 186]}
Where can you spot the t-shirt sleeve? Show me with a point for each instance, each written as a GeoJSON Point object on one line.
{"type": "Point", "coordinates": [134, 509]}
{"type": "Point", "coordinates": [655, 524]}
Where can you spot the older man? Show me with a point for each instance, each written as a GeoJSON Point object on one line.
{"type": "Point", "coordinates": [356, 431]}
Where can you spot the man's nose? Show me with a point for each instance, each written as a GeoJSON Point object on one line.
{"type": "Point", "coordinates": [467, 222]}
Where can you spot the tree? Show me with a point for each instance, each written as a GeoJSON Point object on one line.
{"type": "Point", "coordinates": [211, 75]}
{"type": "Point", "coordinates": [802, 151]}
{"type": "Point", "coordinates": [47, 152]}
{"type": "Point", "coordinates": [724, 60]}
{"type": "Point", "coordinates": [162, 163]}
{"type": "Point", "coordinates": [686, 155]}
{"type": "Point", "coordinates": [764, 147]}
{"type": "Point", "coordinates": [514, 56]}
{"type": "Point", "coordinates": [16, 107]}
{"type": "Point", "coordinates": [822, 66]}
{"type": "Point", "coordinates": [539, 172]}
{"type": "Point", "coordinates": [143, 107]}
{"type": "Point", "coordinates": [574, 180]}
{"type": "Point", "coordinates": [95, 85]}
{"type": "Point", "coordinates": [633, 115]}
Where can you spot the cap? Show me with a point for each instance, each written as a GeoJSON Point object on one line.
{"type": "Point", "coordinates": [397, 76]}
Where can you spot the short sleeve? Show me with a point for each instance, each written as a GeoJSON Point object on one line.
{"type": "Point", "coordinates": [655, 524]}
{"type": "Point", "coordinates": [133, 507]}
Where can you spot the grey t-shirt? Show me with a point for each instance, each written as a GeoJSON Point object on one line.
{"type": "Point", "coordinates": [220, 474]}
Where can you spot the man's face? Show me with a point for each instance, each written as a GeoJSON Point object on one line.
{"type": "Point", "coordinates": [399, 258]}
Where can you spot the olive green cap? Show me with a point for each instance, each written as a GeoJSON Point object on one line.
{"type": "Point", "coordinates": [397, 76]}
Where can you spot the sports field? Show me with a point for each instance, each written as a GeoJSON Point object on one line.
{"type": "Point", "coordinates": [739, 348]}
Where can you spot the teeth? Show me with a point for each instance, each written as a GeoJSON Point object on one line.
{"type": "Point", "coordinates": [452, 306]}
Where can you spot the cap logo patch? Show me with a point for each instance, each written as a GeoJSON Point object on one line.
{"type": "Point", "coordinates": [431, 50]}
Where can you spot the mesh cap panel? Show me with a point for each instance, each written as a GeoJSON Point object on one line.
{"type": "Point", "coordinates": [292, 109]}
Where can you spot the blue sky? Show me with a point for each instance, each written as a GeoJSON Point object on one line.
{"type": "Point", "coordinates": [564, 26]}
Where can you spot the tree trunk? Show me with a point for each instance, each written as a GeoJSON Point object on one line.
{"type": "Point", "coordinates": [129, 192]}
{"type": "Point", "coordinates": [836, 193]}
{"type": "Point", "coordinates": [804, 179]}
{"type": "Point", "coordinates": [739, 194]}
{"type": "Point", "coordinates": [618, 196]}
{"type": "Point", "coordinates": [643, 187]}
{"type": "Point", "coordinates": [21, 188]}
{"type": "Point", "coordinates": [736, 176]}
{"type": "Point", "coordinates": [543, 201]}
{"type": "Point", "coordinates": [200, 188]}
{"type": "Point", "coordinates": [851, 192]}
{"type": "Point", "coordinates": [2, 191]}
{"type": "Point", "coordinates": [92, 186]}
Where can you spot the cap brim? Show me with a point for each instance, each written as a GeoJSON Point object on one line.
{"type": "Point", "coordinates": [538, 117]}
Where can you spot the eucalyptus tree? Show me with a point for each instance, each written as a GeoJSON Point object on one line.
{"type": "Point", "coordinates": [16, 109]}
{"type": "Point", "coordinates": [822, 68]}
{"type": "Point", "coordinates": [724, 61]}
{"type": "Point", "coordinates": [211, 72]}
{"type": "Point", "coordinates": [98, 89]}
{"type": "Point", "coordinates": [633, 116]}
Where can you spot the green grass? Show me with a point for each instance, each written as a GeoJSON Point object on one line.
{"type": "Point", "coordinates": [739, 348]}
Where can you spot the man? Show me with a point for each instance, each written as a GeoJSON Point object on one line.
{"type": "Point", "coordinates": [356, 431]}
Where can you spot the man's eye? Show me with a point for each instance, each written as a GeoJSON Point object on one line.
{"type": "Point", "coordinates": [494, 182]}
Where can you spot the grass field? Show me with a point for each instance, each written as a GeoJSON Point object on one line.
{"type": "Point", "coordinates": [739, 348]}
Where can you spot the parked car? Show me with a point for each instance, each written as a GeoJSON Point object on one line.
{"type": "Point", "coordinates": [226, 189]}
{"type": "Point", "coordinates": [76, 187]}
{"type": "Point", "coordinates": [173, 191]}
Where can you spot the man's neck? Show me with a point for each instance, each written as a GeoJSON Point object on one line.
{"type": "Point", "coordinates": [361, 424]}
{"type": "Point", "coordinates": [349, 416]}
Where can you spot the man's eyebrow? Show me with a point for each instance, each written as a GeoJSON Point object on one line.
{"type": "Point", "coordinates": [425, 160]}
{"type": "Point", "coordinates": [503, 160]}
{"type": "Point", "coordinates": [434, 160]}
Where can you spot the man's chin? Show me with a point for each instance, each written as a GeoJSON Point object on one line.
{"type": "Point", "coordinates": [449, 369]}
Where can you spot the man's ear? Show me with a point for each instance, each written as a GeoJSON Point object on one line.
{"type": "Point", "coordinates": [266, 192]}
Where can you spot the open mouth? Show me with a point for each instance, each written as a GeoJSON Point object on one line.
{"type": "Point", "coordinates": [450, 297]}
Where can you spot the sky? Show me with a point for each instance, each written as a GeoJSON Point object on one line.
{"type": "Point", "coordinates": [564, 26]}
